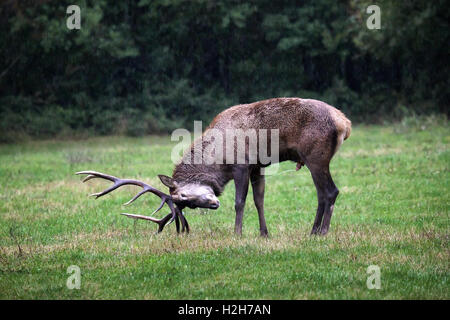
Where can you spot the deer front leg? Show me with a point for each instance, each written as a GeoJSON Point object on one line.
{"type": "Point", "coordinates": [258, 185]}
{"type": "Point", "coordinates": [241, 178]}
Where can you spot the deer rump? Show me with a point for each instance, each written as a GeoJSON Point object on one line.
{"type": "Point", "coordinates": [309, 131]}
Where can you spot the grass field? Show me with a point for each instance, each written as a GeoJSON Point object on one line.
{"type": "Point", "coordinates": [393, 212]}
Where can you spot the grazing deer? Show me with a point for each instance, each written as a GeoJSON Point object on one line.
{"type": "Point", "coordinates": [309, 132]}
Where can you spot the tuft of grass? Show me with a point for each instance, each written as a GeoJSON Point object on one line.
{"type": "Point", "coordinates": [392, 211]}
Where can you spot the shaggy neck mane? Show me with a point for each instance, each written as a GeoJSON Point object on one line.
{"type": "Point", "coordinates": [214, 175]}
{"type": "Point", "coordinates": [211, 175]}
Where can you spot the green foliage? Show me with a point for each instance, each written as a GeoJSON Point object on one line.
{"type": "Point", "coordinates": [151, 66]}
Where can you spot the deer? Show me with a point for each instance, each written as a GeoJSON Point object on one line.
{"type": "Point", "coordinates": [310, 132]}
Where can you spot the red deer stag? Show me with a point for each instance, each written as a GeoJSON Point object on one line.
{"type": "Point", "coordinates": [309, 133]}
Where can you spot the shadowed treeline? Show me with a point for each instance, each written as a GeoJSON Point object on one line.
{"type": "Point", "coordinates": [149, 66]}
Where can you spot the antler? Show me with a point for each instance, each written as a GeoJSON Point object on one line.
{"type": "Point", "coordinates": [175, 213]}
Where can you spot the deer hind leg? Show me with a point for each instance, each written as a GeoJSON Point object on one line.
{"type": "Point", "coordinates": [258, 186]}
{"type": "Point", "coordinates": [327, 193]}
{"type": "Point", "coordinates": [319, 213]}
{"type": "Point", "coordinates": [331, 195]}
{"type": "Point", "coordinates": [241, 181]}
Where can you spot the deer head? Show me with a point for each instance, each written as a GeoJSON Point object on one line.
{"type": "Point", "coordinates": [191, 195]}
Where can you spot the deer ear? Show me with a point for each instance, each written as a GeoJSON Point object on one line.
{"type": "Point", "coordinates": [167, 181]}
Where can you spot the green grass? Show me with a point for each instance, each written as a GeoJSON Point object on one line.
{"type": "Point", "coordinates": [393, 211]}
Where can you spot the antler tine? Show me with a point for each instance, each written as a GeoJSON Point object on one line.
{"type": "Point", "coordinates": [89, 177]}
{"type": "Point", "coordinates": [160, 206]}
{"type": "Point", "coordinates": [184, 222]}
{"type": "Point", "coordinates": [137, 196]}
{"type": "Point", "coordinates": [161, 222]}
{"type": "Point", "coordinates": [168, 219]}
{"type": "Point", "coordinates": [102, 193]}
{"type": "Point", "coordinates": [138, 216]}
{"type": "Point", "coordinates": [95, 174]}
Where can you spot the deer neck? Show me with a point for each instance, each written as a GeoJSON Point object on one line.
{"type": "Point", "coordinates": [216, 176]}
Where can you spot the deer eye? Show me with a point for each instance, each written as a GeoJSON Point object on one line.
{"type": "Point", "coordinates": [183, 195]}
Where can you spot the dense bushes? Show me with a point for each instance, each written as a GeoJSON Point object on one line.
{"type": "Point", "coordinates": [150, 66]}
